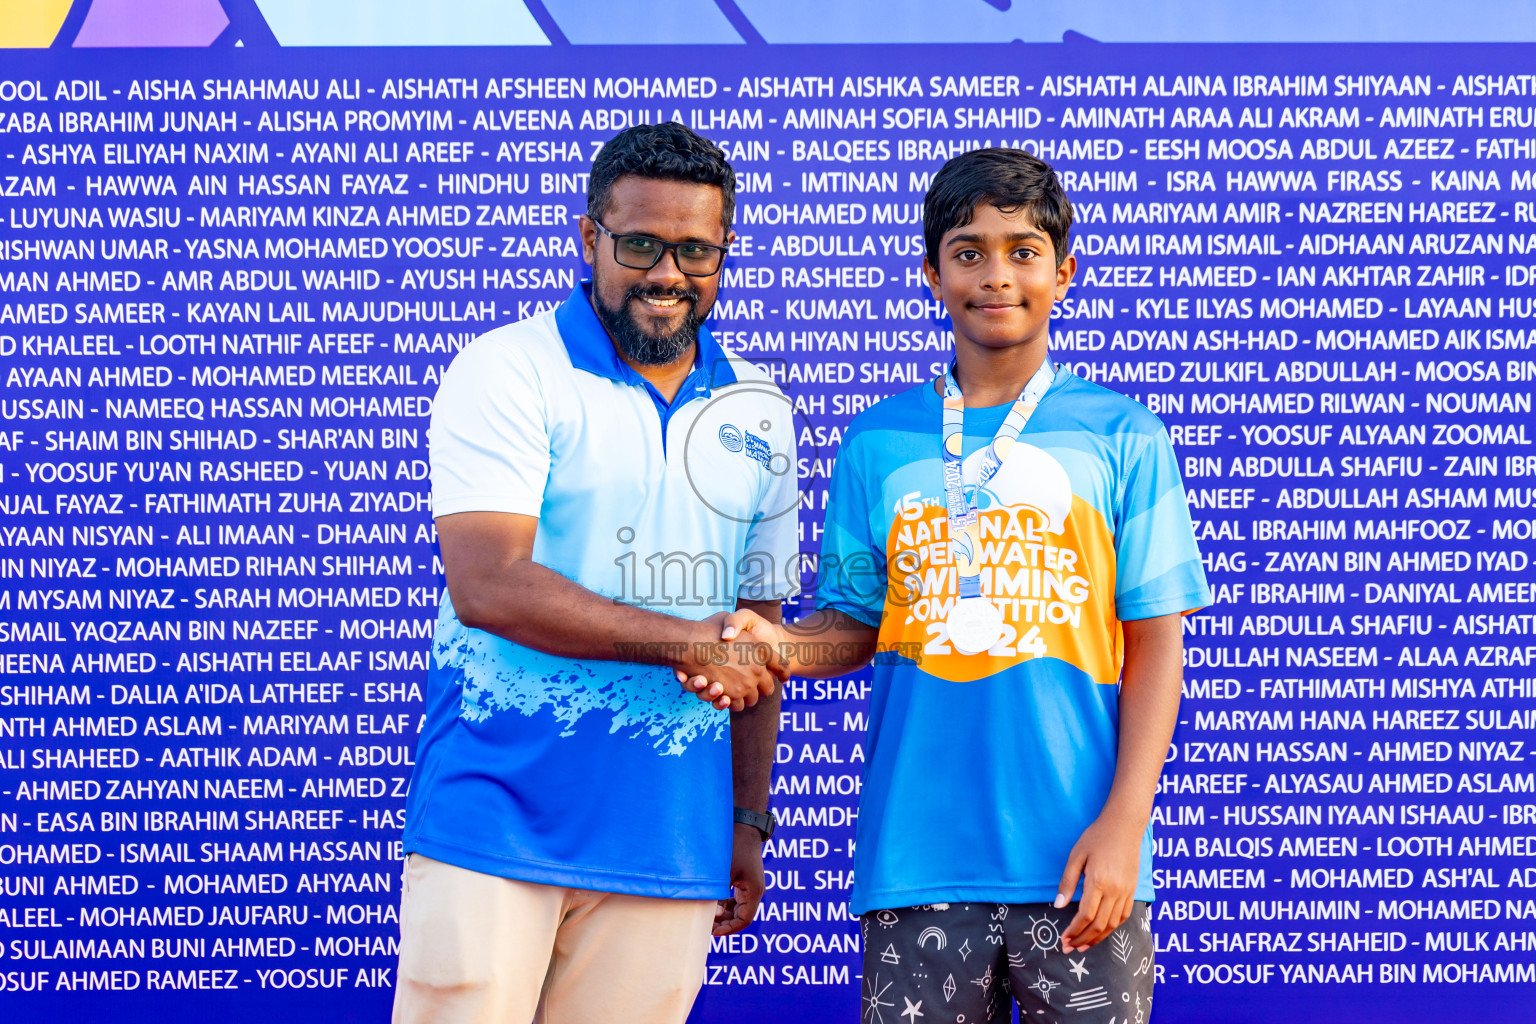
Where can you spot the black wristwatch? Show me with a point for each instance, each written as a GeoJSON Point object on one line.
{"type": "Point", "coordinates": [764, 823]}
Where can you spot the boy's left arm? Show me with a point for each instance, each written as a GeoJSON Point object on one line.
{"type": "Point", "coordinates": [1107, 856]}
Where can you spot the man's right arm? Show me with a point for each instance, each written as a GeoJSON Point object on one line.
{"type": "Point", "coordinates": [495, 585]}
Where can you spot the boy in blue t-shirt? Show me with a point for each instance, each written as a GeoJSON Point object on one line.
{"type": "Point", "coordinates": [1016, 543]}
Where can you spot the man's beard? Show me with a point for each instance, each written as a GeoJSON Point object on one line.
{"type": "Point", "coordinates": [639, 346]}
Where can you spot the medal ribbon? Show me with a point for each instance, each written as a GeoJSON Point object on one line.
{"type": "Point", "coordinates": [964, 535]}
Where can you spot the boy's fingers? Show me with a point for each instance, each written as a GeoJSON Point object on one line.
{"type": "Point", "coordinates": [739, 621]}
{"type": "Point", "coordinates": [1069, 879]}
{"type": "Point", "coordinates": [1102, 924]}
{"type": "Point", "coordinates": [1071, 936]}
{"type": "Point", "coordinates": [1114, 915]}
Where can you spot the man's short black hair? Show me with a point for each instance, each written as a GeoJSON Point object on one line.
{"type": "Point", "coordinates": [1009, 179]}
{"type": "Point", "coordinates": [665, 152]}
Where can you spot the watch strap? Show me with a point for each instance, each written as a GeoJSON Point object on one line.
{"type": "Point", "coordinates": [764, 823]}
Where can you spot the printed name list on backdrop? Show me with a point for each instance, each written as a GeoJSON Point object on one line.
{"type": "Point", "coordinates": [229, 285]}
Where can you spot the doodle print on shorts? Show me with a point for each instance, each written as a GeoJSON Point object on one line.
{"type": "Point", "coordinates": [1045, 986]}
{"type": "Point", "coordinates": [995, 929]}
{"type": "Point", "coordinates": [1045, 934]}
{"type": "Point", "coordinates": [918, 972]}
{"type": "Point", "coordinates": [1089, 999]}
{"type": "Point", "coordinates": [874, 999]}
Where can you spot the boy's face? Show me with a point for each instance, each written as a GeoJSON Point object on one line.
{"type": "Point", "coordinates": [998, 278]}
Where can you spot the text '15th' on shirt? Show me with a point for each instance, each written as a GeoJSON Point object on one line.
{"type": "Point", "coordinates": [598, 774]}
{"type": "Point", "coordinates": [983, 770]}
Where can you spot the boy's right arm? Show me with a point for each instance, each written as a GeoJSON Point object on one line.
{"type": "Point", "coordinates": [829, 642]}
{"type": "Point", "coordinates": [823, 644]}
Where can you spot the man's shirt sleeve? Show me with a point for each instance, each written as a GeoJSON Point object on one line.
{"type": "Point", "coordinates": [851, 574]}
{"type": "Point", "coordinates": [1157, 566]}
{"type": "Point", "coordinates": [489, 437]}
{"type": "Point", "coordinates": [771, 559]}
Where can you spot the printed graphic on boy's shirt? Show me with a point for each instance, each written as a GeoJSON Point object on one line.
{"type": "Point", "coordinates": [1046, 559]}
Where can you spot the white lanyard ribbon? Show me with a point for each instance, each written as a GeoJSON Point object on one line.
{"type": "Point", "coordinates": [975, 624]}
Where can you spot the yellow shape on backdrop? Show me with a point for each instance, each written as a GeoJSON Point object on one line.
{"type": "Point", "coordinates": [31, 23]}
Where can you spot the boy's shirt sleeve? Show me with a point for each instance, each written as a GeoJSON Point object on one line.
{"type": "Point", "coordinates": [1158, 569]}
{"type": "Point", "coordinates": [851, 574]}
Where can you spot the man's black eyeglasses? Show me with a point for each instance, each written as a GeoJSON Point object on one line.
{"type": "Point", "coordinates": [642, 252]}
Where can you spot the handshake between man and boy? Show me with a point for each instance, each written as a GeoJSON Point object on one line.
{"type": "Point", "coordinates": [1007, 543]}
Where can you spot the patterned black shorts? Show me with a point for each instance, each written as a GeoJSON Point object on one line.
{"type": "Point", "coordinates": [961, 963]}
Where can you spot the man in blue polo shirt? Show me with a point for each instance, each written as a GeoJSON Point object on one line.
{"type": "Point", "coordinates": [605, 478]}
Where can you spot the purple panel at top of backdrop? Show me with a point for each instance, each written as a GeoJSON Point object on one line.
{"type": "Point", "coordinates": [152, 23]}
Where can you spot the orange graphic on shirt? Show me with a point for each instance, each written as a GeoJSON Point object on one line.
{"type": "Point", "coordinates": [1046, 559]}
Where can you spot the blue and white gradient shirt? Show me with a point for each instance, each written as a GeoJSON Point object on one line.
{"type": "Point", "coordinates": [598, 775]}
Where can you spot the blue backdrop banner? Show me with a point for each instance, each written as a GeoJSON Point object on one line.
{"type": "Point", "coordinates": [231, 276]}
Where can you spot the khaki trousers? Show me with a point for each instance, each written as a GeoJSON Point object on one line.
{"type": "Point", "coordinates": [478, 949]}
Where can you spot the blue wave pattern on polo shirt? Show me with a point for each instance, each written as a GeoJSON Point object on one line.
{"type": "Point", "coordinates": [497, 675]}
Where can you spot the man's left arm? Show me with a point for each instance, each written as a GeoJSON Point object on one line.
{"type": "Point", "coordinates": [1107, 857]}
{"type": "Point", "coordinates": [754, 737]}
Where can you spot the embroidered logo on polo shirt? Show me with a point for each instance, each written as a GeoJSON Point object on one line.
{"type": "Point", "coordinates": [758, 449]}
{"type": "Point", "coordinates": [734, 440]}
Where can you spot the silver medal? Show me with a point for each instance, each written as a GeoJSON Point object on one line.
{"type": "Point", "coordinates": [975, 625]}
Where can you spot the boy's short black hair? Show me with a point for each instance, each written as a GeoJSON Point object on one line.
{"type": "Point", "coordinates": [1009, 179]}
{"type": "Point", "coordinates": [667, 152]}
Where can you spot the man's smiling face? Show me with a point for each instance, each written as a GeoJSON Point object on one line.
{"type": "Point", "coordinates": [998, 278]}
{"type": "Point", "coordinates": [654, 315]}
